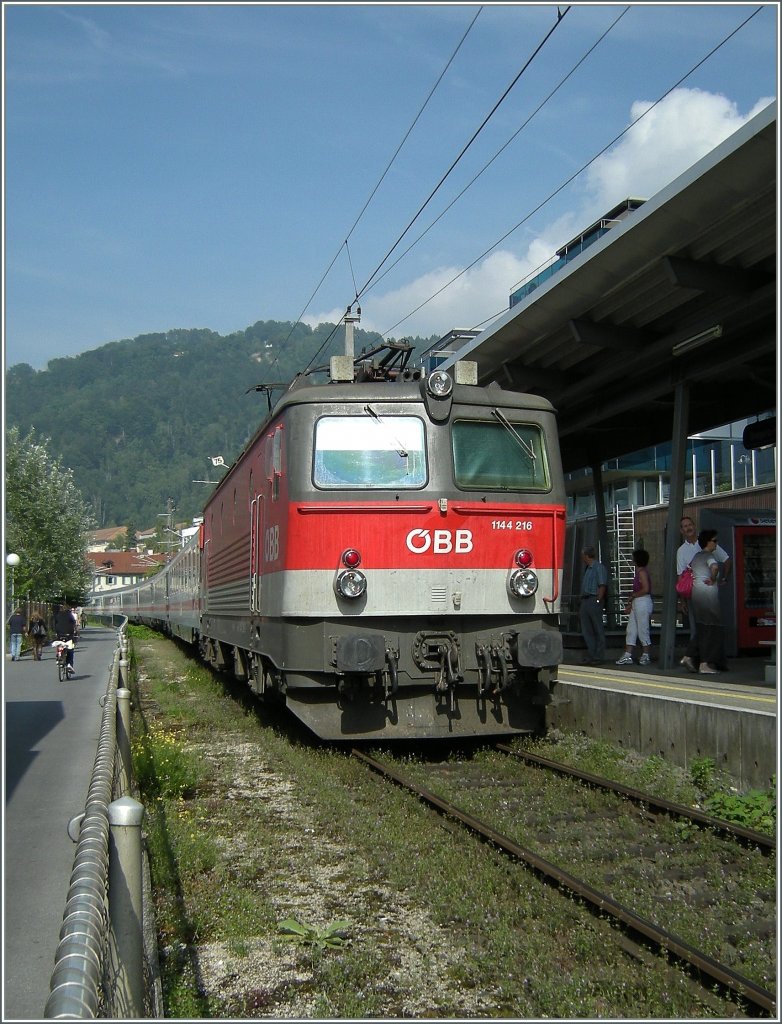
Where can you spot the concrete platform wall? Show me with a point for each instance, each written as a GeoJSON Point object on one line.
{"type": "Point", "coordinates": [741, 743]}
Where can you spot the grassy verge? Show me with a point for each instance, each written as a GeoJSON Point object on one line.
{"type": "Point", "coordinates": [291, 882]}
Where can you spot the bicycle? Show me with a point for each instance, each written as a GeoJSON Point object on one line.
{"type": "Point", "coordinates": [61, 648]}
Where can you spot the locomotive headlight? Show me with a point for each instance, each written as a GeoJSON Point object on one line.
{"type": "Point", "coordinates": [523, 583]}
{"type": "Point", "coordinates": [439, 384]}
{"type": "Point", "coordinates": [351, 583]}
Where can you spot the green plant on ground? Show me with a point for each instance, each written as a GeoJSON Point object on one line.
{"type": "Point", "coordinates": [703, 772]}
{"type": "Point", "coordinates": [163, 767]}
{"type": "Point", "coordinates": [332, 935]}
{"type": "Point", "coordinates": [754, 809]}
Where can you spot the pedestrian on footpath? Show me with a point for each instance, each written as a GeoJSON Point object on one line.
{"type": "Point", "coordinates": [594, 588]}
{"type": "Point", "coordinates": [17, 627]}
{"type": "Point", "coordinates": [639, 608]}
{"type": "Point", "coordinates": [37, 631]}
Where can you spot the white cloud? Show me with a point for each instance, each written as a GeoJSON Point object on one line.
{"type": "Point", "coordinates": [668, 139]}
{"type": "Point", "coordinates": [479, 293]}
{"type": "Point", "coordinates": [671, 137]}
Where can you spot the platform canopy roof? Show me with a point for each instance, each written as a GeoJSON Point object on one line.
{"type": "Point", "coordinates": [685, 288]}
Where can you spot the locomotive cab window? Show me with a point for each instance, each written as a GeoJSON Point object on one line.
{"type": "Point", "coordinates": [499, 456]}
{"type": "Point", "coordinates": [369, 452]}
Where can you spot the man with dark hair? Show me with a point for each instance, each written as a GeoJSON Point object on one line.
{"type": "Point", "coordinates": [594, 589]}
{"type": "Point", "coordinates": [707, 645]}
{"type": "Point", "coordinates": [688, 549]}
{"type": "Point", "coordinates": [17, 627]}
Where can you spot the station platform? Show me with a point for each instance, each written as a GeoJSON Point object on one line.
{"type": "Point", "coordinates": [730, 717]}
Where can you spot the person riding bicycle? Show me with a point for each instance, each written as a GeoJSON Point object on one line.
{"type": "Point", "coordinates": [65, 628]}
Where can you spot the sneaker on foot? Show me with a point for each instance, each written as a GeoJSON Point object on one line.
{"type": "Point", "coordinates": [707, 670]}
{"type": "Point", "coordinates": [688, 663]}
{"type": "Point", "coordinates": [645, 660]}
{"type": "Point", "coordinates": [625, 660]}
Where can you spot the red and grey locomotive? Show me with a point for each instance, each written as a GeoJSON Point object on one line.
{"type": "Point", "coordinates": [385, 554]}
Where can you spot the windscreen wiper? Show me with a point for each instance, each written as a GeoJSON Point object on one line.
{"type": "Point", "coordinates": [525, 446]}
{"type": "Point", "coordinates": [400, 448]}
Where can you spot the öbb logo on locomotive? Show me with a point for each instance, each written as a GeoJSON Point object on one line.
{"type": "Point", "coordinates": [453, 629]}
{"type": "Point", "coordinates": [440, 542]}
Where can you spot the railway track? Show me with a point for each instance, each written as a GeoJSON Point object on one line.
{"type": "Point", "coordinates": [751, 996]}
{"type": "Point", "coordinates": [730, 829]}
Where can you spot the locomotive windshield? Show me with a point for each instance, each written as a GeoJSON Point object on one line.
{"type": "Point", "coordinates": [369, 452]}
{"type": "Point", "coordinates": [499, 456]}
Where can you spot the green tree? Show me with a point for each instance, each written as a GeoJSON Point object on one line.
{"type": "Point", "coordinates": [130, 540]}
{"type": "Point", "coordinates": [46, 522]}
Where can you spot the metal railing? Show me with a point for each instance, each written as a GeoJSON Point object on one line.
{"type": "Point", "coordinates": [102, 968]}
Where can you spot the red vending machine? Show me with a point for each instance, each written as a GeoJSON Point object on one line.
{"type": "Point", "coordinates": [749, 608]}
{"type": "Point", "coordinates": [756, 585]}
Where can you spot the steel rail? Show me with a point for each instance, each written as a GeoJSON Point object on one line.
{"type": "Point", "coordinates": [749, 835]}
{"type": "Point", "coordinates": [754, 994]}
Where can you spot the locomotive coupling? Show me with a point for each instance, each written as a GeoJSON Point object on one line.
{"type": "Point", "coordinates": [439, 652]}
{"type": "Point", "coordinates": [450, 670]}
{"type": "Point", "coordinates": [493, 673]}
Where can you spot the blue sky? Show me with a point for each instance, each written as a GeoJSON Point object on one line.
{"type": "Point", "coordinates": [177, 166]}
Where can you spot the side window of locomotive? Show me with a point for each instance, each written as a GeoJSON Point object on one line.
{"type": "Point", "coordinates": [369, 452]}
{"type": "Point", "coordinates": [498, 457]}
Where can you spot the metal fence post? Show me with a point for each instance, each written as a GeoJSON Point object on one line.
{"type": "Point", "coordinates": [124, 768]}
{"type": "Point", "coordinates": [126, 922]}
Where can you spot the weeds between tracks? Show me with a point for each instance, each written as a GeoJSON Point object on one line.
{"type": "Point", "coordinates": [249, 828]}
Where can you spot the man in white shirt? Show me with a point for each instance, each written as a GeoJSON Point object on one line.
{"type": "Point", "coordinates": [685, 554]}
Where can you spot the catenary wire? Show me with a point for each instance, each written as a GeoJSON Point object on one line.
{"type": "Point", "coordinates": [573, 176]}
{"type": "Point", "coordinates": [380, 180]}
{"type": "Point", "coordinates": [415, 121]}
{"type": "Point", "coordinates": [502, 148]}
{"type": "Point", "coordinates": [441, 182]}
{"type": "Point", "coordinates": [560, 15]}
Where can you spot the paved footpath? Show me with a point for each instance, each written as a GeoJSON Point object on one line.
{"type": "Point", "coordinates": [51, 732]}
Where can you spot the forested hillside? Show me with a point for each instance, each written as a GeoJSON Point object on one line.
{"type": "Point", "coordinates": [139, 420]}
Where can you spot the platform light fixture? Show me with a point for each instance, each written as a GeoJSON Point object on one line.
{"type": "Point", "coordinates": [697, 340]}
{"type": "Point", "coordinates": [12, 560]}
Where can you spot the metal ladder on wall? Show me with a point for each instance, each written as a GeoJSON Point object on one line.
{"type": "Point", "coordinates": [621, 536]}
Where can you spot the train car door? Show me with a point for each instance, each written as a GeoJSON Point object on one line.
{"type": "Point", "coordinates": [256, 552]}
{"type": "Point", "coordinates": [756, 583]}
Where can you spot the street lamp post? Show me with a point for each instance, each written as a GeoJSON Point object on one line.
{"type": "Point", "coordinates": [744, 460]}
{"type": "Point", "coordinates": [12, 561]}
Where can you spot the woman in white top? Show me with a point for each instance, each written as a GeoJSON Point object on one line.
{"type": "Point", "coordinates": [708, 643]}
